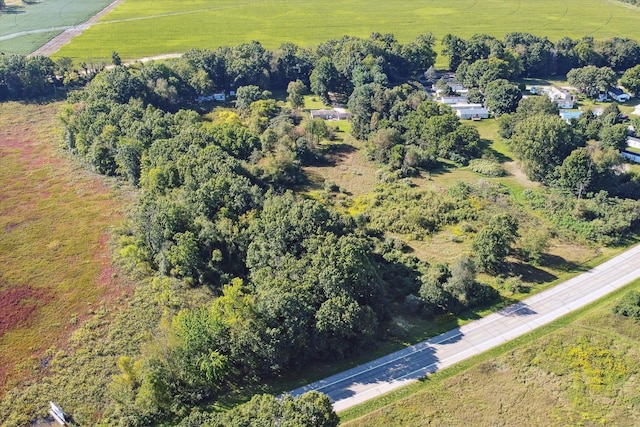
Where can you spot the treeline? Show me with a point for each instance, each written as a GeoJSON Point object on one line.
{"type": "Point", "coordinates": [523, 54]}
{"type": "Point", "coordinates": [24, 77]}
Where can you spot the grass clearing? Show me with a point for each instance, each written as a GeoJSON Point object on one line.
{"type": "Point", "coordinates": [139, 28]}
{"type": "Point", "coordinates": [582, 369]}
{"type": "Point", "coordinates": [55, 261]}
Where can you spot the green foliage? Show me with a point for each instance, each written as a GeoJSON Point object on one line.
{"type": "Point", "coordinates": [416, 212]}
{"type": "Point", "coordinates": [592, 80]}
{"type": "Point", "coordinates": [601, 219]}
{"type": "Point", "coordinates": [576, 172]}
{"type": "Point", "coordinates": [24, 77]}
{"type": "Point", "coordinates": [311, 408]}
{"type": "Point", "coordinates": [494, 242]}
{"type": "Point", "coordinates": [296, 91]}
{"type": "Point", "coordinates": [501, 97]}
{"type": "Point", "coordinates": [629, 306]}
{"type": "Point", "coordinates": [487, 167]}
{"type": "Point", "coordinates": [541, 142]}
{"type": "Point", "coordinates": [631, 79]}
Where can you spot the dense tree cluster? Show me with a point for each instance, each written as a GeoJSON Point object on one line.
{"type": "Point", "coordinates": [483, 58]}
{"type": "Point", "coordinates": [24, 77]}
{"type": "Point", "coordinates": [310, 409]}
{"type": "Point", "coordinates": [407, 132]}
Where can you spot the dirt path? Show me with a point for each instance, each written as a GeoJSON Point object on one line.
{"type": "Point", "coordinates": [514, 170]}
{"type": "Point", "coordinates": [65, 37]}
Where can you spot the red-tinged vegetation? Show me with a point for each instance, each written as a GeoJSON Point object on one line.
{"type": "Point", "coordinates": [54, 216]}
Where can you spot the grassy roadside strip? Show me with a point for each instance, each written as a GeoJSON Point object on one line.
{"type": "Point", "coordinates": [437, 378]}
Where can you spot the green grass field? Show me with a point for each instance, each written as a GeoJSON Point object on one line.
{"type": "Point", "coordinates": [140, 28]}
{"type": "Point", "coordinates": [581, 370]}
{"type": "Point", "coordinates": [24, 27]}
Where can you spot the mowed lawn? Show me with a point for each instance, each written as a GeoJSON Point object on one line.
{"type": "Point", "coordinates": [55, 266]}
{"type": "Point", "coordinates": [139, 28]}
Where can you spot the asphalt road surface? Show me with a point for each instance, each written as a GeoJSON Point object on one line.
{"type": "Point", "coordinates": [412, 363]}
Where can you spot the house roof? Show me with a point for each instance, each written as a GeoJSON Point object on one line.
{"type": "Point", "coordinates": [473, 111]}
{"type": "Point", "coordinates": [616, 91]}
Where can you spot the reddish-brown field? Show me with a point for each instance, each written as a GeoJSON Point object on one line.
{"type": "Point", "coordinates": [55, 267]}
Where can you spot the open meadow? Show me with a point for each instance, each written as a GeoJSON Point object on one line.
{"type": "Point", "coordinates": [55, 263]}
{"type": "Point", "coordinates": [140, 28]}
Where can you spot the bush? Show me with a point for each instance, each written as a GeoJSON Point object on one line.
{"type": "Point", "coordinates": [486, 167]}
{"type": "Point", "coordinates": [629, 306]}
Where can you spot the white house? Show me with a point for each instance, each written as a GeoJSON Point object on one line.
{"type": "Point", "coordinates": [451, 100]}
{"type": "Point", "coordinates": [634, 142]}
{"type": "Point", "coordinates": [562, 97]}
{"type": "Point", "coordinates": [220, 96]}
{"type": "Point", "coordinates": [470, 111]}
{"type": "Point", "coordinates": [618, 94]}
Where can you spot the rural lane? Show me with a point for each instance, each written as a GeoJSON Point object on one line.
{"type": "Point", "coordinates": [395, 370]}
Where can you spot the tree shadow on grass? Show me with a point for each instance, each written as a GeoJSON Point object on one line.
{"type": "Point", "coordinates": [529, 273]}
{"type": "Point", "coordinates": [335, 153]}
{"type": "Point", "coordinates": [558, 263]}
{"type": "Point", "coordinates": [497, 155]}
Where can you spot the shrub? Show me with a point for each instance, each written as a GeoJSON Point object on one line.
{"type": "Point", "coordinates": [629, 306]}
{"type": "Point", "coordinates": [486, 167]}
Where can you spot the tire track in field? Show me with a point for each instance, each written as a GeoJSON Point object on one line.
{"type": "Point", "coordinates": [515, 11]}
{"type": "Point", "coordinates": [566, 10]}
{"type": "Point", "coordinates": [608, 20]}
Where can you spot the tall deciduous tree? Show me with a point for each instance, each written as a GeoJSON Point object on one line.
{"type": "Point", "coordinates": [631, 80]}
{"type": "Point", "coordinates": [541, 142]}
{"type": "Point", "coordinates": [493, 243]}
{"type": "Point", "coordinates": [576, 172]}
{"type": "Point", "coordinates": [502, 97]}
{"type": "Point", "coordinates": [296, 91]}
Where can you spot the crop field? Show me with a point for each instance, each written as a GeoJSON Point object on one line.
{"type": "Point", "coordinates": [581, 370]}
{"type": "Point", "coordinates": [55, 265]}
{"type": "Point", "coordinates": [139, 28]}
{"type": "Point", "coordinates": [25, 26]}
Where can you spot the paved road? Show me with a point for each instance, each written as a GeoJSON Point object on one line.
{"type": "Point", "coordinates": [398, 369]}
